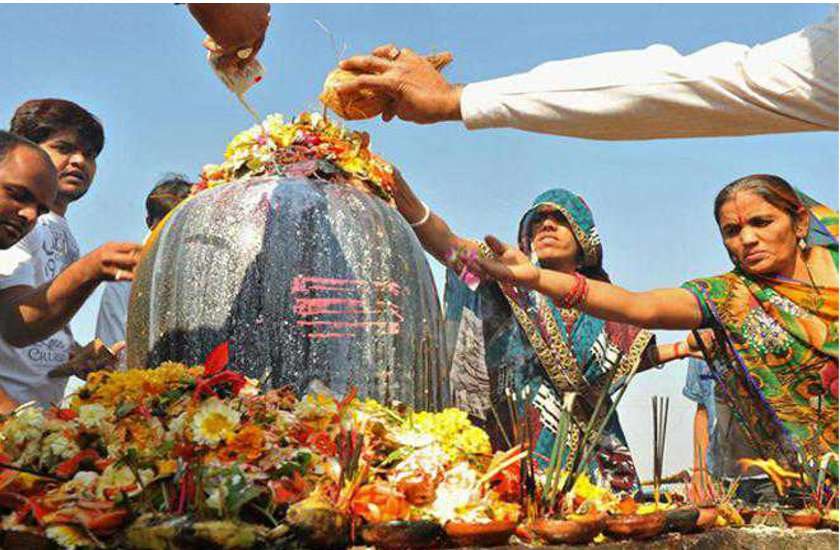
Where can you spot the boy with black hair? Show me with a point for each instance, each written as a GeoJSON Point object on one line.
{"type": "Point", "coordinates": [43, 282]}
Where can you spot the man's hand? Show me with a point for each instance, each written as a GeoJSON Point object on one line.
{"type": "Point", "coordinates": [93, 357]}
{"type": "Point", "coordinates": [510, 265]}
{"type": "Point", "coordinates": [236, 31]}
{"type": "Point", "coordinates": [418, 92]}
{"type": "Point", "coordinates": [112, 262]}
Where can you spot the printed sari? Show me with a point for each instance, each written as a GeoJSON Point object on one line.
{"type": "Point", "coordinates": [778, 336]}
{"type": "Point", "coordinates": [504, 340]}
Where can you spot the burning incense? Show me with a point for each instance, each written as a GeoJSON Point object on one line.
{"type": "Point", "coordinates": [660, 427]}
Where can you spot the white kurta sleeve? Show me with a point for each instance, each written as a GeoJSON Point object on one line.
{"type": "Point", "coordinates": [787, 85]}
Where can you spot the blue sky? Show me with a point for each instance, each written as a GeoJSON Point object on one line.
{"type": "Point", "coordinates": [141, 69]}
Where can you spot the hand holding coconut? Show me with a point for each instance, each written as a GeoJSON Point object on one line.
{"type": "Point", "coordinates": [393, 82]}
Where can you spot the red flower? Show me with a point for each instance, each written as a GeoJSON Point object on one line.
{"type": "Point", "coordinates": [288, 489]}
{"type": "Point", "coordinates": [217, 359]}
{"type": "Point", "coordinates": [68, 468]}
{"type": "Point", "coordinates": [323, 443]}
{"type": "Point", "coordinates": [506, 483]}
{"type": "Point", "coordinates": [300, 433]}
{"type": "Point", "coordinates": [184, 450]}
{"type": "Point", "coordinates": [215, 374]}
{"type": "Point", "coordinates": [66, 414]}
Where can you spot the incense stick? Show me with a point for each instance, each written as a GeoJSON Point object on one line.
{"type": "Point", "coordinates": [660, 426]}
{"type": "Point", "coordinates": [30, 472]}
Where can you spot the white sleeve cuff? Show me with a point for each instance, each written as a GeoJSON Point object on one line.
{"type": "Point", "coordinates": [480, 106]}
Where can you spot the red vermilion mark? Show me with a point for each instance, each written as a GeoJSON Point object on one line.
{"type": "Point", "coordinates": [342, 308]}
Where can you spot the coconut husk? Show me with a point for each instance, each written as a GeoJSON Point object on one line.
{"type": "Point", "coordinates": [366, 103]}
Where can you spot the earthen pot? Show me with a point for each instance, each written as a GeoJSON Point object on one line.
{"type": "Point", "coordinates": [397, 535]}
{"type": "Point", "coordinates": [708, 517]}
{"type": "Point", "coordinates": [682, 520]}
{"type": "Point", "coordinates": [807, 519]}
{"type": "Point", "coordinates": [634, 526]}
{"type": "Point", "coordinates": [581, 530]}
{"type": "Point", "coordinates": [493, 533]}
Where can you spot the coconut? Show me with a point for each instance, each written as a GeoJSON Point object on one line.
{"type": "Point", "coordinates": [365, 103]}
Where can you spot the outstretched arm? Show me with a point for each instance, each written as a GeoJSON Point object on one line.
{"type": "Point", "coordinates": [434, 233]}
{"type": "Point", "coordinates": [673, 308]}
{"type": "Point", "coordinates": [28, 315]}
{"type": "Point", "coordinates": [785, 85]}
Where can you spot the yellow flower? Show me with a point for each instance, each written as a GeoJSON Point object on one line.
{"type": "Point", "coordinates": [113, 387]}
{"type": "Point", "coordinates": [243, 141]}
{"type": "Point", "coordinates": [166, 467]}
{"type": "Point", "coordinates": [352, 164]}
{"type": "Point", "coordinates": [214, 422]}
{"type": "Point", "coordinates": [473, 441]}
{"type": "Point", "coordinates": [314, 406]}
{"type": "Point", "coordinates": [452, 429]}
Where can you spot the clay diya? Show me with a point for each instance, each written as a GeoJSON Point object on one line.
{"type": "Point", "coordinates": [396, 535]}
{"type": "Point", "coordinates": [491, 533]}
{"type": "Point", "coordinates": [635, 526]}
{"type": "Point", "coordinates": [22, 539]}
{"type": "Point", "coordinates": [682, 519]}
{"type": "Point", "coordinates": [747, 514]}
{"type": "Point", "coordinates": [829, 521]}
{"type": "Point", "coordinates": [577, 529]}
{"type": "Point", "coordinates": [806, 519]}
{"type": "Point", "coordinates": [708, 517]}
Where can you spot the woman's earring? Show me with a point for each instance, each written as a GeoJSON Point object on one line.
{"type": "Point", "coordinates": [803, 244]}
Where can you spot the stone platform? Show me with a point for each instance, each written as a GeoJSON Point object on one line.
{"type": "Point", "coordinates": [746, 538]}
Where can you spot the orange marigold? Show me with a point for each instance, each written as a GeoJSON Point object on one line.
{"type": "Point", "coordinates": [248, 442]}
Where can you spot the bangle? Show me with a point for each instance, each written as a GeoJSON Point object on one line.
{"type": "Point", "coordinates": [425, 218]}
{"type": "Point", "coordinates": [577, 295]}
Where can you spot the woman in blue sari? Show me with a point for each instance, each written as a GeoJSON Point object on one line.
{"type": "Point", "coordinates": [508, 341]}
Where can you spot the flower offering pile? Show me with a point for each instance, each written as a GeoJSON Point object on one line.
{"type": "Point", "coordinates": [309, 145]}
{"type": "Point", "coordinates": [180, 455]}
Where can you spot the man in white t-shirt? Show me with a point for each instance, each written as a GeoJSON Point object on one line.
{"type": "Point", "coordinates": [43, 282]}
{"type": "Point", "coordinates": [113, 310]}
{"type": "Point", "coordinates": [28, 187]}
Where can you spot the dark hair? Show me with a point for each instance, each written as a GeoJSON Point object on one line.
{"type": "Point", "coordinates": [773, 189]}
{"type": "Point", "coordinates": [166, 194]}
{"type": "Point", "coordinates": [9, 142]}
{"type": "Point", "coordinates": [40, 119]}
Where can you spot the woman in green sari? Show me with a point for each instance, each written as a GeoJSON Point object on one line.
{"type": "Point", "coordinates": [775, 313]}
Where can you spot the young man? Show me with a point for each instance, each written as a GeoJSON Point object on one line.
{"type": "Point", "coordinates": [113, 310]}
{"type": "Point", "coordinates": [28, 186]}
{"type": "Point", "coordinates": [39, 293]}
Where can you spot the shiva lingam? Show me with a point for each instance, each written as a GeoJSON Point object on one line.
{"type": "Point", "coordinates": [292, 256]}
